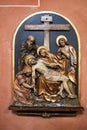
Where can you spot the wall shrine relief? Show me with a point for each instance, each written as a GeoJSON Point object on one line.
{"type": "Point", "coordinates": [46, 66]}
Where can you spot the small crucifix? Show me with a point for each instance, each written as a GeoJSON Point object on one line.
{"type": "Point", "coordinates": [46, 27]}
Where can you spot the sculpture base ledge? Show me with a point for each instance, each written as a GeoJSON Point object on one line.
{"type": "Point", "coordinates": [46, 111]}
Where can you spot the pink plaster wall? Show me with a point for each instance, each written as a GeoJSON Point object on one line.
{"type": "Point", "coordinates": [75, 10]}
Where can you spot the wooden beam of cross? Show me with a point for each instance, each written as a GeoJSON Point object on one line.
{"type": "Point", "coordinates": [46, 27]}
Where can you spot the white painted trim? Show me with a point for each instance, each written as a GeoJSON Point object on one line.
{"type": "Point", "coordinates": [31, 6]}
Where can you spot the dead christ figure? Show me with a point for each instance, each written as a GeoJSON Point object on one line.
{"type": "Point", "coordinates": [46, 69]}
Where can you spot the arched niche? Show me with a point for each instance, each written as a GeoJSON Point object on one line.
{"type": "Point", "coordinates": [71, 34]}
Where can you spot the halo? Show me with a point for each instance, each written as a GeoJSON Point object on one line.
{"type": "Point", "coordinates": [41, 47]}
{"type": "Point", "coordinates": [59, 37]}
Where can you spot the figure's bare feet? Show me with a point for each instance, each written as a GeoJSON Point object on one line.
{"type": "Point", "coordinates": [72, 96]}
{"type": "Point", "coordinates": [61, 94]}
{"type": "Point", "coordinates": [40, 99]}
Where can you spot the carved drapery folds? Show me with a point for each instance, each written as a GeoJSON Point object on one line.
{"type": "Point", "coordinates": [46, 66]}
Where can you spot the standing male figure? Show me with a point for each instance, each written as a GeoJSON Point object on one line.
{"type": "Point", "coordinates": [67, 54]}
{"type": "Point", "coordinates": [28, 47]}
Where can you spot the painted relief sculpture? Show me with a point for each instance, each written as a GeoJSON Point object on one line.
{"type": "Point", "coordinates": [46, 75]}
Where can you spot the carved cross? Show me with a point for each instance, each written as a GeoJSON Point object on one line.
{"type": "Point", "coordinates": [46, 27]}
